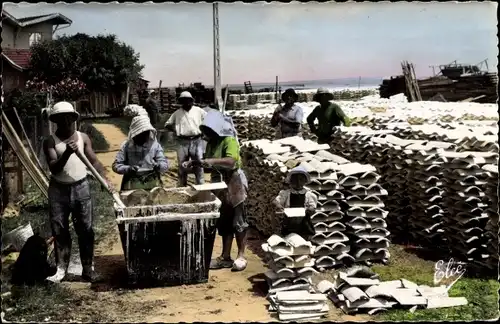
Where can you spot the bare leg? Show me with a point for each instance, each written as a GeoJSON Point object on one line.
{"type": "Point", "coordinates": [241, 242]}
{"type": "Point", "coordinates": [227, 243]}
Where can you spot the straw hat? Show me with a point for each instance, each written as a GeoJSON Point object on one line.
{"type": "Point", "coordinates": [185, 95]}
{"type": "Point", "coordinates": [63, 107]}
{"type": "Point", "coordinates": [140, 124]}
{"type": "Point", "coordinates": [323, 92]}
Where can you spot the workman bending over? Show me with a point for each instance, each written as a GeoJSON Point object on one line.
{"type": "Point", "coordinates": [223, 157]}
{"type": "Point", "coordinates": [185, 122]}
{"type": "Point", "coordinates": [288, 117]}
{"type": "Point", "coordinates": [328, 114]}
{"type": "Point", "coordinates": [69, 190]}
{"type": "Point", "coordinates": [141, 159]}
{"type": "Point", "coordinates": [297, 196]}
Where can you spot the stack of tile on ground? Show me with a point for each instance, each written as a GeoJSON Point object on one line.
{"type": "Point", "coordinates": [466, 205]}
{"type": "Point", "coordinates": [365, 214]}
{"type": "Point", "coordinates": [359, 289]}
{"type": "Point", "coordinates": [481, 138]}
{"type": "Point", "coordinates": [291, 294]}
{"type": "Point", "coordinates": [492, 210]}
{"type": "Point", "coordinates": [425, 188]}
{"type": "Point", "coordinates": [266, 164]}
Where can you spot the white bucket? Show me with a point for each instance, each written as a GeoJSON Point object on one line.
{"type": "Point", "coordinates": [19, 236]}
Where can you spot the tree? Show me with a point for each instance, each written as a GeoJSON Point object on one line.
{"type": "Point", "coordinates": [102, 63]}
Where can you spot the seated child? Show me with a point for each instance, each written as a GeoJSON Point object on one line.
{"type": "Point", "coordinates": [296, 197]}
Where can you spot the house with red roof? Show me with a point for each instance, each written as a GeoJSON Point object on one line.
{"type": "Point", "coordinates": [18, 35]}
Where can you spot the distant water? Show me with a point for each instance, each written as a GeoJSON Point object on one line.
{"type": "Point", "coordinates": [346, 83]}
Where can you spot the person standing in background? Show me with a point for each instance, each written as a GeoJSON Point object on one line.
{"type": "Point", "coordinates": [152, 107]}
{"type": "Point", "coordinates": [69, 190]}
{"type": "Point", "coordinates": [185, 122]}
{"type": "Point", "coordinates": [328, 114]}
{"type": "Point", "coordinates": [288, 117]}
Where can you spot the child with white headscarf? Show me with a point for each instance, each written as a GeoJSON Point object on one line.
{"type": "Point", "coordinates": [141, 159]}
{"type": "Point", "coordinates": [298, 196]}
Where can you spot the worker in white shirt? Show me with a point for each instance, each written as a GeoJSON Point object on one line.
{"type": "Point", "coordinates": [185, 122]}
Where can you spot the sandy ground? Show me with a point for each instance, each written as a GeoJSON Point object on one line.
{"type": "Point", "coordinates": [228, 296]}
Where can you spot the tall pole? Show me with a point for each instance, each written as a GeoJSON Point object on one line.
{"type": "Point", "coordinates": [217, 77]}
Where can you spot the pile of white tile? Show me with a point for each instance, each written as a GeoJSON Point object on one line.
{"type": "Point", "coordinates": [425, 188]}
{"type": "Point", "coordinates": [291, 294]}
{"type": "Point", "coordinates": [266, 164]}
{"type": "Point", "coordinates": [466, 205]}
{"type": "Point", "coordinates": [365, 213]}
{"type": "Point", "coordinates": [331, 244]}
{"type": "Point", "coordinates": [492, 211]}
{"type": "Point", "coordinates": [359, 290]}
{"type": "Point", "coordinates": [481, 136]}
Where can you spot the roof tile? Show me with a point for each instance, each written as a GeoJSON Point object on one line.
{"type": "Point", "coordinates": [19, 56]}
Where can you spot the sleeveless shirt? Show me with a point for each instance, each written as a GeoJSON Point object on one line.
{"type": "Point", "coordinates": [74, 170]}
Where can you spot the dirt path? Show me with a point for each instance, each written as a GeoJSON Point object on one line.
{"type": "Point", "coordinates": [227, 296]}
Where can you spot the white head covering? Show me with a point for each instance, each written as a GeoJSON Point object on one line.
{"type": "Point", "coordinates": [134, 110]}
{"type": "Point", "coordinates": [139, 125]}
{"type": "Point", "coordinates": [298, 170]}
{"type": "Point", "coordinates": [63, 107]}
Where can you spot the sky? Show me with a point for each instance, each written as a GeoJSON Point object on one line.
{"type": "Point", "coordinates": [297, 41]}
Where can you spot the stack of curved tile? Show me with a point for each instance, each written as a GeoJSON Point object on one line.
{"type": "Point", "coordinates": [365, 212]}
{"type": "Point", "coordinates": [492, 210]}
{"type": "Point", "coordinates": [290, 270]}
{"type": "Point", "coordinates": [468, 137]}
{"type": "Point", "coordinates": [266, 164]}
{"type": "Point", "coordinates": [357, 290]}
{"type": "Point", "coordinates": [331, 244]}
{"type": "Point", "coordinates": [467, 205]}
{"type": "Point", "coordinates": [425, 188]}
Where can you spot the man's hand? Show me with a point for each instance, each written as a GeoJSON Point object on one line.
{"type": "Point", "coordinates": [71, 147]}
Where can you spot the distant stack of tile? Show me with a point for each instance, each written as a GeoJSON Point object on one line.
{"type": "Point", "coordinates": [365, 214]}
{"type": "Point", "coordinates": [291, 294]}
{"type": "Point", "coordinates": [358, 289]}
{"type": "Point", "coordinates": [492, 210]}
{"type": "Point", "coordinates": [467, 205]}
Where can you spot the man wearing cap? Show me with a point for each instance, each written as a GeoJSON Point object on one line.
{"type": "Point", "coordinates": [289, 116]}
{"type": "Point", "coordinates": [185, 122]}
{"type": "Point", "coordinates": [69, 190]}
{"type": "Point", "coordinates": [328, 114]}
{"type": "Point", "coordinates": [152, 107]}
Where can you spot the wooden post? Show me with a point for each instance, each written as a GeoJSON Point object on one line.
{"type": "Point", "coordinates": [127, 95]}
{"type": "Point", "coordinates": [160, 95]}
{"type": "Point", "coordinates": [20, 182]}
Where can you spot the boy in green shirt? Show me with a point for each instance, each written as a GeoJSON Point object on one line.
{"type": "Point", "coordinates": [222, 155]}
{"type": "Point", "coordinates": [329, 115]}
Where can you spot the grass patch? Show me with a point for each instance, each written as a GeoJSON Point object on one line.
{"type": "Point", "coordinates": [481, 294]}
{"type": "Point", "coordinates": [36, 304]}
{"type": "Point", "coordinates": [99, 142]}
